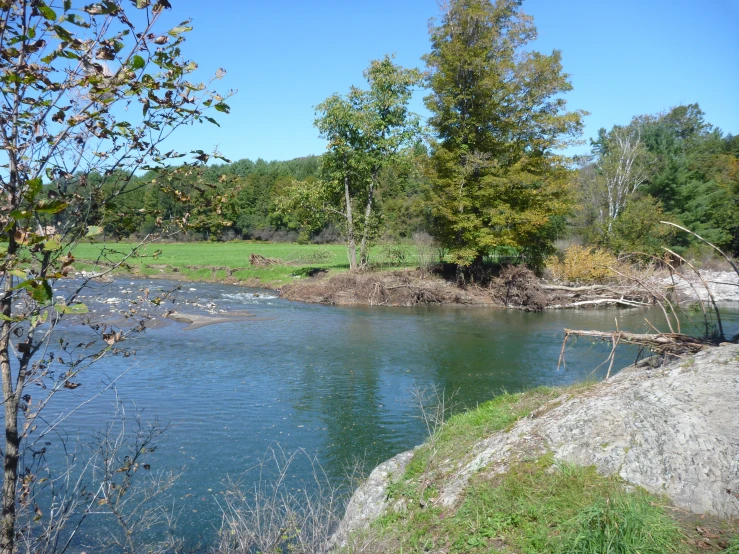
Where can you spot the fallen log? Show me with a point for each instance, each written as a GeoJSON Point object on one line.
{"type": "Point", "coordinates": [260, 261]}
{"type": "Point", "coordinates": [663, 343]}
{"type": "Point", "coordinates": [600, 301]}
{"type": "Point", "coordinates": [587, 288]}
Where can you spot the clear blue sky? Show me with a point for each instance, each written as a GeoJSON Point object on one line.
{"type": "Point", "coordinates": [625, 58]}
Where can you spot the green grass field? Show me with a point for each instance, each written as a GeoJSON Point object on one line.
{"type": "Point", "coordinates": [204, 261]}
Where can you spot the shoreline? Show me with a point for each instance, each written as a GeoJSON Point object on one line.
{"type": "Point", "coordinates": [688, 466]}
{"type": "Point", "coordinates": [518, 289]}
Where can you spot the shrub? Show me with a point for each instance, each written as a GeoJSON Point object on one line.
{"type": "Point", "coordinates": [581, 264]}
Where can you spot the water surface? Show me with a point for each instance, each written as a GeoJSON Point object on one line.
{"type": "Point", "coordinates": [334, 381]}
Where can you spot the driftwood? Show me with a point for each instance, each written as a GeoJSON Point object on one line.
{"type": "Point", "coordinates": [260, 261]}
{"type": "Point", "coordinates": [600, 301]}
{"type": "Point", "coordinates": [664, 343]}
{"type": "Point", "coordinates": [668, 344]}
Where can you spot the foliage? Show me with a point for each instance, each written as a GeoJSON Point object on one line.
{"type": "Point", "coordinates": [637, 229]}
{"type": "Point", "coordinates": [581, 264]}
{"type": "Point", "coordinates": [537, 505]}
{"type": "Point", "coordinates": [366, 132]}
{"type": "Point", "coordinates": [674, 163]}
{"type": "Point", "coordinates": [87, 100]}
{"type": "Point", "coordinates": [498, 115]}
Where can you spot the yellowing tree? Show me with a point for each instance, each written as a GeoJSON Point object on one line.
{"type": "Point", "coordinates": [500, 119]}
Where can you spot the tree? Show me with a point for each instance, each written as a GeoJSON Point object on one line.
{"type": "Point", "coordinates": [366, 132]}
{"type": "Point", "coordinates": [499, 119]}
{"type": "Point", "coordinates": [624, 166]}
{"type": "Point", "coordinates": [87, 99]}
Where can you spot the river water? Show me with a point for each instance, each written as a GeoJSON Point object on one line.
{"type": "Point", "coordinates": [334, 381]}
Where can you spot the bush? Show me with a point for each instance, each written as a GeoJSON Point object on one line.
{"type": "Point", "coordinates": [581, 264]}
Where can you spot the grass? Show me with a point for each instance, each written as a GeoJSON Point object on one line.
{"type": "Point", "coordinates": [204, 261]}
{"type": "Point", "coordinates": [537, 506]}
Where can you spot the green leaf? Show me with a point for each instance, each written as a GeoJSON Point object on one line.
{"type": "Point", "coordinates": [93, 231]}
{"type": "Point", "coordinates": [51, 206]}
{"type": "Point", "coordinates": [213, 121]}
{"type": "Point", "coordinates": [76, 308]}
{"type": "Point", "coordinates": [34, 187]}
{"type": "Point", "coordinates": [52, 244]}
{"type": "Point", "coordinates": [41, 291]}
{"type": "Point", "coordinates": [222, 107]}
{"type": "Point", "coordinates": [47, 12]}
{"type": "Point", "coordinates": [18, 273]}
{"type": "Point", "coordinates": [179, 30]}
{"type": "Point", "coordinates": [137, 62]}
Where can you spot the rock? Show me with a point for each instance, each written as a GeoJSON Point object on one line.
{"type": "Point", "coordinates": [724, 286]}
{"type": "Point", "coordinates": [370, 499]}
{"type": "Point", "coordinates": [672, 430]}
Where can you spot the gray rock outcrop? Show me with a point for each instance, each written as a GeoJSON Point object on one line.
{"type": "Point", "coordinates": [672, 430]}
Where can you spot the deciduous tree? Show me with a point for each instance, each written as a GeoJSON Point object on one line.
{"type": "Point", "coordinates": [366, 130]}
{"type": "Point", "coordinates": [88, 95]}
{"type": "Point", "coordinates": [500, 118]}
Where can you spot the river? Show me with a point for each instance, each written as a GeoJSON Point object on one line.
{"type": "Point", "coordinates": [336, 382]}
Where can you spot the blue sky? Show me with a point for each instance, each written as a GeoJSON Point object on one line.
{"type": "Point", "coordinates": [625, 58]}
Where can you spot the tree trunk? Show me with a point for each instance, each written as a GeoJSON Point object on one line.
{"type": "Point", "coordinates": [351, 244]}
{"type": "Point", "coordinates": [10, 399]}
{"type": "Point", "coordinates": [363, 250]}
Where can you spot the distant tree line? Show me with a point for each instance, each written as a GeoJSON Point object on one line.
{"type": "Point", "coordinates": [484, 176]}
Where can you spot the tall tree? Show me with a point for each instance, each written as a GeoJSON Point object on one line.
{"type": "Point", "coordinates": [366, 130]}
{"type": "Point", "coordinates": [499, 119]}
{"type": "Point", "coordinates": [624, 165]}
{"type": "Point", "coordinates": [87, 99]}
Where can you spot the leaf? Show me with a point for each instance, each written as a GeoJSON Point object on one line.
{"type": "Point", "coordinates": [41, 291]}
{"type": "Point", "coordinates": [47, 12]}
{"type": "Point", "coordinates": [222, 107]}
{"type": "Point", "coordinates": [93, 231]}
{"type": "Point", "coordinates": [213, 121]}
{"type": "Point", "coordinates": [76, 308]}
{"type": "Point", "coordinates": [137, 62]}
{"type": "Point", "coordinates": [62, 33]}
{"type": "Point", "coordinates": [179, 30]}
{"type": "Point", "coordinates": [52, 244]}
{"type": "Point", "coordinates": [51, 206]}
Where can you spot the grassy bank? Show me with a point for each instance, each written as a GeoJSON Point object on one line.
{"type": "Point", "coordinates": [538, 505]}
{"type": "Point", "coordinates": [203, 261]}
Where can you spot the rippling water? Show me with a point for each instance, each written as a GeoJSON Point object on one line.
{"type": "Point", "coordinates": [334, 381]}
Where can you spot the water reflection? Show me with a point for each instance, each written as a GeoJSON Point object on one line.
{"type": "Point", "coordinates": [333, 381]}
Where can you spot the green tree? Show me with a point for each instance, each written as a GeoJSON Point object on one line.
{"type": "Point", "coordinates": [499, 118]}
{"type": "Point", "coordinates": [367, 131]}
{"type": "Point", "coordinates": [87, 100]}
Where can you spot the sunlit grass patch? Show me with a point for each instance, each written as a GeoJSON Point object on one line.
{"type": "Point", "coordinates": [536, 507]}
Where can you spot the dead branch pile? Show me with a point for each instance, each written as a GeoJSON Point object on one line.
{"type": "Point", "coordinates": [397, 288]}
{"type": "Point", "coordinates": [562, 296]}
{"type": "Point", "coordinates": [260, 261]}
{"type": "Point", "coordinates": [663, 343]}
{"type": "Point", "coordinates": [519, 287]}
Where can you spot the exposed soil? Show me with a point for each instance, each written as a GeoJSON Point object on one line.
{"type": "Point", "coordinates": [513, 287]}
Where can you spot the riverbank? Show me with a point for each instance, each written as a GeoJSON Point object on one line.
{"type": "Point", "coordinates": [646, 459]}
{"type": "Point", "coordinates": [319, 274]}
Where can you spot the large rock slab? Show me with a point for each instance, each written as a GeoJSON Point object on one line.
{"type": "Point", "coordinates": [673, 430]}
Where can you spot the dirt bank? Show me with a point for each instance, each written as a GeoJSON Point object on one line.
{"type": "Point", "coordinates": [515, 287]}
